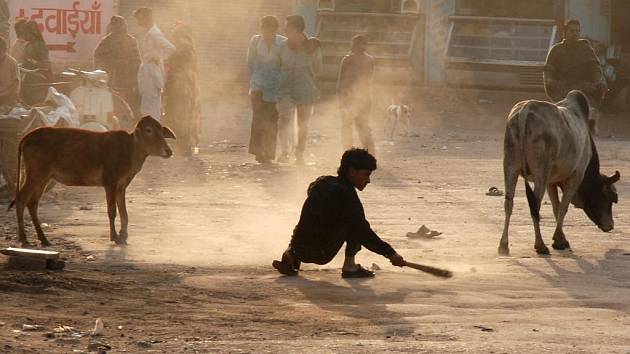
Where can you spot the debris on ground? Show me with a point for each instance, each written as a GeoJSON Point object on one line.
{"type": "Point", "coordinates": [65, 333]}
{"type": "Point", "coordinates": [99, 347]}
{"type": "Point", "coordinates": [484, 328]}
{"type": "Point", "coordinates": [424, 232]}
{"type": "Point", "coordinates": [143, 344]}
{"type": "Point", "coordinates": [29, 327]}
{"type": "Point", "coordinates": [32, 259]}
{"type": "Point", "coordinates": [494, 192]}
{"type": "Point", "coordinates": [99, 328]}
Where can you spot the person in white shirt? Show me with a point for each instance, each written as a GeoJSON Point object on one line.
{"type": "Point", "coordinates": [155, 50]}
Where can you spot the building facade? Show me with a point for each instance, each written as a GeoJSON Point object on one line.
{"type": "Point", "coordinates": [492, 43]}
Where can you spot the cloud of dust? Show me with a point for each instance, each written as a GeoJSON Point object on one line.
{"type": "Point", "coordinates": [242, 215]}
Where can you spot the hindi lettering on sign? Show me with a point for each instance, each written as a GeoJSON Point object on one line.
{"type": "Point", "coordinates": [71, 28]}
{"type": "Point", "coordinates": [64, 21]}
{"type": "Point", "coordinates": [56, 22]}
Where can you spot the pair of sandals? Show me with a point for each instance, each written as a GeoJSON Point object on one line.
{"type": "Point", "coordinates": [285, 267]}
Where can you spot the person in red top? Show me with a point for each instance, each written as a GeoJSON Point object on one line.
{"type": "Point", "coordinates": [354, 94]}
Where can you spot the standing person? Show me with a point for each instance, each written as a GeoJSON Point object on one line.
{"type": "Point", "coordinates": [301, 59]}
{"type": "Point", "coordinates": [9, 78]}
{"type": "Point", "coordinates": [572, 64]}
{"type": "Point", "coordinates": [35, 57]}
{"type": "Point", "coordinates": [333, 215]}
{"type": "Point", "coordinates": [119, 56]}
{"type": "Point", "coordinates": [354, 94]}
{"type": "Point", "coordinates": [35, 54]}
{"type": "Point", "coordinates": [151, 79]}
{"type": "Point", "coordinates": [182, 110]}
{"type": "Point", "coordinates": [263, 60]}
{"type": "Point", "coordinates": [17, 49]}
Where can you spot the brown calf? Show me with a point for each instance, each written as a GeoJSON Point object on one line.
{"type": "Point", "coordinates": [76, 157]}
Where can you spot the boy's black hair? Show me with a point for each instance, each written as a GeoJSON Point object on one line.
{"type": "Point", "coordinates": [359, 159]}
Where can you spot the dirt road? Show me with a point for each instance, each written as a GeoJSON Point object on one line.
{"type": "Point", "coordinates": [196, 276]}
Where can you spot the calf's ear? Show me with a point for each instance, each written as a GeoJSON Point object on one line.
{"type": "Point", "coordinates": [168, 133]}
{"type": "Point", "coordinates": [614, 178]}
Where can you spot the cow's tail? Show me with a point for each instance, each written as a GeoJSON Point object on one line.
{"type": "Point", "coordinates": [534, 208]}
{"type": "Point", "coordinates": [19, 170]}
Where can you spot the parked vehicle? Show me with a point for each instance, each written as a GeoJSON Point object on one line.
{"type": "Point", "coordinates": [100, 108]}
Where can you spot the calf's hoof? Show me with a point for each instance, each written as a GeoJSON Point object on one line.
{"type": "Point", "coordinates": [504, 251]}
{"type": "Point", "coordinates": [120, 242]}
{"type": "Point", "coordinates": [543, 250]}
{"type": "Point", "coordinates": [561, 245]}
{"type": "Point", "coordinates": [25, 244]}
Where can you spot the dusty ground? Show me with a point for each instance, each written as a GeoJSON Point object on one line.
{"type": "Point", "coordinates": [196, 276]}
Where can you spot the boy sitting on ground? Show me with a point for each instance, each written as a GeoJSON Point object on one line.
{"type": "Point", "coordinates": [333, 214]}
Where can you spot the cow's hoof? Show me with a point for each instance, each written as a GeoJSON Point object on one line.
{"type": "Point", "coordinates": [504, 251]}
{"type": "Point", "coordinates": [121, 242]}
{"type": "Point", "coordinates": [561, 245]}
{"type": "Point", "coordinates": [542, 250]}
{"type": "Point", "coordinates": [46, 243]}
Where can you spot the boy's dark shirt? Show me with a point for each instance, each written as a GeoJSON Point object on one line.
{"type": "Point", "coordinates": [333, 204]}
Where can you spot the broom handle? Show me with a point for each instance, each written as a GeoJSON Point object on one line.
{"type": "Point", "coordinates": [428, 269]}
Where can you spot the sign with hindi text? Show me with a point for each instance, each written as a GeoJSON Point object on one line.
{"type": "Point", "coordinates": [71, 28]}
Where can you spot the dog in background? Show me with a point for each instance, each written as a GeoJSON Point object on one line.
{"type": "Point", "coordinates": [397, 113]}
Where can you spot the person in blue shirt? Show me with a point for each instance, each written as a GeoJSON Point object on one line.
{"type": "Point", "coordinates": [301, 59]}
{"type": "Point", "coordinates": [263, 60]}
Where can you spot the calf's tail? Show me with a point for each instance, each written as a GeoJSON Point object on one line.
{"type": "Point", "coordinates": [534, 208]}
{"type": "Point", "coordinates": [19, 170]}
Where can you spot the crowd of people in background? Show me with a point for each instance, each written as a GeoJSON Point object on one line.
{"type": "Point", "coordinates": [283, 90]}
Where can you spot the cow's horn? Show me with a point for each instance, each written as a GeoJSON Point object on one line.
{"type": "Point", "coordinates": [614, 178]}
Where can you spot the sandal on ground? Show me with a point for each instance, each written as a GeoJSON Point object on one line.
{"type": "Point", "coordinates": [359, 273]}
{"type": "Point", "coordinates": [424, 232]}
{"type": "Point", "coordinates": [284, 268]}
{"type": "Point", "coordinates": [494, 192]}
